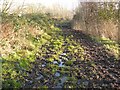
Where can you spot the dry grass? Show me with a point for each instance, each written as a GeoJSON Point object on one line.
{"type": "Point", "coordinates": [106, 29]}
{"type": "Point", "coordinates": [11, 41]}
{"type": "Point", "coordinates": [56, 11]}
{"type": "Point", "coordinates": [91, 23]}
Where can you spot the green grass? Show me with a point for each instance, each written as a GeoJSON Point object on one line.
{"type": "Point", "coordinates": [15, 64]}
{"type": "Point", "coordinates": [28, 46]}
{"type": "Point", "coordinates": [113, 46]}
{"type": "Point", "coordinates": [47, 43]}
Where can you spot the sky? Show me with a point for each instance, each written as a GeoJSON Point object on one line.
{"type": "Point", "coordinates": [69, 4]}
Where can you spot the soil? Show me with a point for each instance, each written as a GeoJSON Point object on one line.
{"type": "Point", "coordinates": [100, 69]}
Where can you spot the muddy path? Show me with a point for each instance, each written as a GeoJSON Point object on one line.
{"type": "Point", "coordinates": [99, 69]}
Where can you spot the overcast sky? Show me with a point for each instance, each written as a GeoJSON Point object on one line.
{"type": "Point", "coordinates": [69, 4]}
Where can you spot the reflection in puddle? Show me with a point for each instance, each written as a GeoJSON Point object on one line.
{"type": "Point", "coordinates": [83, 82]}
{"type": "Point", "coordinates": [63, 58]}
{"type": "Point", "coordinates": [57, 74]}
{"type": "Point", "coordinates": [61, 63]}
{"type": "Point", "coordinates": [63, 54]}
{"type": "Point", "coordinates": [55, 62]}
{"type": "Point", "coordinates": [63, 79]}
{"type": "Point", "coordinates": [43, 65]}
{"type": "Point", "coordinates": [61, 83]}
{"type": "Point", "coordinates": [40, 76]}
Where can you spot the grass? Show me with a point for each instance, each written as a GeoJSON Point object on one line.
{"type": "Point", "coordinates": [26, 37]}
{"type": "Point", "coordinates": [111, 45]}
{"type": "Point", "coordinates": [21, 39]}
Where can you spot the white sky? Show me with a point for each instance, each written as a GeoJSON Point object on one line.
{"type": "Point", "coordinates": [69, 4]}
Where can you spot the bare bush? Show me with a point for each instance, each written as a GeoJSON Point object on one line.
{"type": "Point", "coordinates": [97, 19]}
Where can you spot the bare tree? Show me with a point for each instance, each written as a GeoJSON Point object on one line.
{"type": "Point", "coordinates": [6, 5]}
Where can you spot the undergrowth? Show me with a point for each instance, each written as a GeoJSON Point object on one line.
{"type": "Point", "coordinates": [111, 45]}
{"type": "Point", "coordinates": [26, 34]}
{"type": "Point", "coordinates": [28, 37]}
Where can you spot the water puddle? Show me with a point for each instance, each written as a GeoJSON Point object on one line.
{"type": "Point", "coordinates": [28, 83]}
{"type": "Point", "coordinates": [63, 79]}
{"type": "Point", "coordinates": [61, 83]}
{"type": "Point", "coordinates": [57, 74]}
{"type": "Point", "coordinates": [39, 77]}
{"type": "Point", "coordinates": [61, 64]}
{"type": "Point", "coordinates": [63, 54]}
{"type": "Point", "coordinates": [43, 65]}
{"type": "Point", "coordinates": [83, 82]}
{"type": "Point", "coordinates": [55, 62]}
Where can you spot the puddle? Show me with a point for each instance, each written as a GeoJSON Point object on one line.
{"type": "Point", "coordinates": [63, 54]}
{"type": "Point", "coordinates": [28, 82]}
{"type": "Point", "coordinates": [61, 83]}
{"type": "Point", "coordinates": [63, 79]}
{"type": "Point", "coordinates": [39, 77]}
{"type": "Point", "coordinates": [60, 87]}
{"type": "Point", "coordinates": [57, 74]}
{"type": "Point", "coordinates": [63, 58]}
{"type": "Point", "coordinates": [55, 62]}
{"type": "Point", "coordinates": [61, 63]}
{"type": "Point", "coordinates": [43, 65]}
{"type": "Point", "coordinates": [84, 82]}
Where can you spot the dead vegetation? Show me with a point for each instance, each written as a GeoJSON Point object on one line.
{"type": "Point", "coordinates": [97, 19]}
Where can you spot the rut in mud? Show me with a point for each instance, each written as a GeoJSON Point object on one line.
{"type": "Point", "coordinates": [99, 68]}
